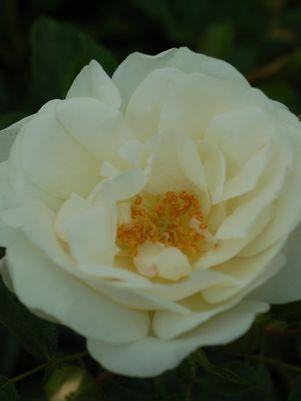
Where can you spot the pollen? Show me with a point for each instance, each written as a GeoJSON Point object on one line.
{"type": "Point", "coordinates": [175, 219]}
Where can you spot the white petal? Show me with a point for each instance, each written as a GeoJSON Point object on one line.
{"type": "Point", "coordinates": [240, 133]}
{"type": "Point", "coordinates": [152, 356]}
{"type": "Point", "coordinates": [196, 282]}
{"type": "Point", "coordinates": [37, 222]}
{"type": "Point", "coordinates": [172, 171]}
{"type": "Point", "coordinates": [72, 207]}
{"type": "Point", "coordinates": [195, 100]}
{"type": "Point", "coordinates": [49, 107]}
{"type": "Point", "coordinates": [7, 234]}
{"type": "Point", "coordinates": [91, 236]}
{"type": "Point", "coordinates": [55, 161]}
{"type": "Point", "coordinates": [131, 151]}
{"type": "Point", "coordinates": [136, 67]}
{"type": "Point", "coordinates": [249, 206]}
{"type": "Point", "coordinates": [166, 173]}
{"type": "Point", "coordinates": [42, 285]}
{"type": "Point", "coordinates": [92, 81]}
{"type": "Point", "coordinates": [158, 260]}
{"type": "Point", "coordinates": [6, 201]}
{"type": "Point", "coordinates": [138, 299]}
{"type": "Point", "coordinates": [21, 184]}
{"type": "Point", "coordinates": [4, 273]}
{"type": "Point", "coordinates": [229, 248]}
{"type": "Point", "coordinates": [245, 270]}
{"type": "Point", "coordinates": [214, 167]}
{"type": "Point", "coordinates": [144, 108]}
{"type": "Point", "coordinates": [286, 285]}
{"type": "Point", "coordinates": [97, 126]}
{"type": "Point", "coordinates": [108, 170]}
{"type": "Point", "coordinates": [8, 136]}
{"type": "Point", "coordinates": [189, 62]}
{"type": "Point", "coordinates": [120, 187]}
{"type": "Point", "coordinates": [288, 207]}
{"type": "Point", "coordinates": [246, 179]}
{"type": "Point", "coordinates": [191, 163]}
{"type": "Point", "coordinates": [170, 324]}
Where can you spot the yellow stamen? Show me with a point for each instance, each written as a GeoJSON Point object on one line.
{"type": "Point", "coordinates": [167, 222]}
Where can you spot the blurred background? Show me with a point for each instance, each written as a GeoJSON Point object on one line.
{"type": "Point", "coordinates": [43, 45]}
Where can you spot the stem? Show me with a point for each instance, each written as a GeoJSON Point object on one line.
{"type": "Point", "coordinates": [26, 374]}
{"type": "Point", "coordinates": [72, 357]}
{"type": "Point", "coordinates": [275, 362]}
{"type": "Point", "coordinates": [42, 367]}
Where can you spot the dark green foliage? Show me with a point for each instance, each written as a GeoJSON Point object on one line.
{"type": "Point", "coordinates": [37, 336]}
{"type": "Point", "coordinates": [295, 394]}
{"type": "Point", "coordinates": [7, 390]}
{"type": "Point", "coordinates": [58, 52]}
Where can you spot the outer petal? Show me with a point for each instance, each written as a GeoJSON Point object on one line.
{"type": "Point", "coordinates": [286, 285]}
{"type": "Point", "coordinates": [54, 160]}
{"type": "Point", "coordinates": [135, 68]}
{"type": "Point", "coordinates": [6, 201]}
{"type": "Point", "coordinates": [246, 128]}
{"type": "Point", "coordinates": [152, 356]}
{"type": "Point", "coordinates": [247, 270]}
{"type": "Point", "coordinates": [92, 81]}
{"type": "Point", "coordinates": [288, 206]}
{"type": "Point", "coordinates": [7, 137]}
{"type": "Point", "coordinates": [42, 285]}
{"type": "Point", "coordinates": [19, 181]}
{"type": "Point", "coordinates": [195, 100]}
{"type": "Point", "coordinates": [100, 128]}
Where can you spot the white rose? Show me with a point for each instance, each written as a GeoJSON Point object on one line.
{"type": "Point", "coordinates": [150, 212]}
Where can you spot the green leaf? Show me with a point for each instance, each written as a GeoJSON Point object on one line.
{"type": "Point", "coordinates": [7, 390]}
{"type": "Point", "coordinates": [72, 383]}
{"type": "Point", "coordinates": [255, 384]}
{"type": "Point", "coordinates": [59, 52]}
{"type": "Point", "coordinates": [37, 336]}
{"type": "Point", "coordinates": [9, 352]}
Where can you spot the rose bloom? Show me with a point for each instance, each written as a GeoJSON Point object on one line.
{"type": "Point", "coordinates": [152, 212]}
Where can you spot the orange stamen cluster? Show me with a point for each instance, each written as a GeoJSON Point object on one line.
{"type": "Point", "coordinates": [167, 222]}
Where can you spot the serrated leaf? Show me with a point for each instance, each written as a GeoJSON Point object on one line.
{"type": "Point", "coordinates": [59, 52]}
{"type": "Point", "coordinates": [7, 390]}
{"type": "Point", "coordinates": [37, 336]}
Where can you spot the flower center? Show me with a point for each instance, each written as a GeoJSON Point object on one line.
{"type": "Point", "coordinates": [175, 219]}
